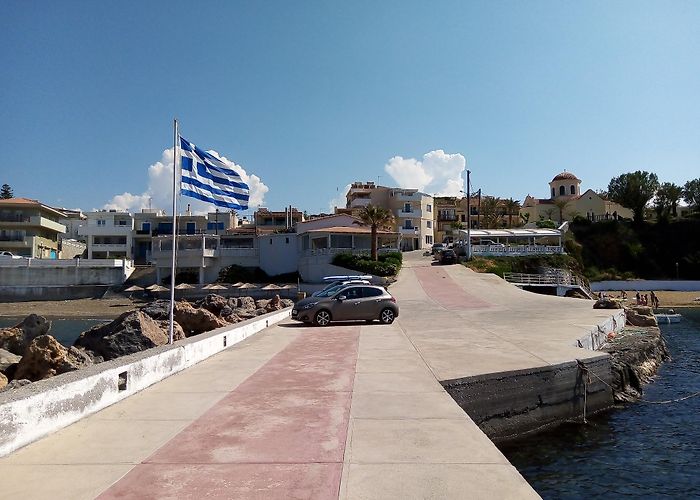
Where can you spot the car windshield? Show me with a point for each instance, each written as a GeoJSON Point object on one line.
{"type": "Point", "coordinates": [327, 292]}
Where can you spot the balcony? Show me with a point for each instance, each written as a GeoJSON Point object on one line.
{"type": "Point", "coordinates": [360, 202]}
{"type": "Point", "coordinates": [409, 231]}
{"type": "Point", "coordinates": [104, 230]}
{"type": "Point", "coordinates": [415, 213]}
{"type": "Point", "coordinates": [33, 221]}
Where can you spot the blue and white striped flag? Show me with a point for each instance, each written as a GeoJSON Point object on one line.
{"type": "Point", "coordinates": [205, 177]}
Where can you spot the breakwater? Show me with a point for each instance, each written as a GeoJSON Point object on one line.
{"type": "Point", "coordinates": [641, 449]}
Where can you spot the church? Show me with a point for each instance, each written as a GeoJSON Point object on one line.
{"type": "Point", "coordinates": [567, 202]}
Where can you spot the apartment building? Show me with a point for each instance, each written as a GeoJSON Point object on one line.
{"type": "Point", "coordinates": [412, 209]}
{"type": "Point", "coordinates": [267, 221]}
{"type": "Point", "coordinates": [108, 234]}
{"type": "Point", "coordinates": [29, 228]}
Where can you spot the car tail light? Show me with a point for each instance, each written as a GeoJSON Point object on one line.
{"type": "Point", "coordinates": [393, 300]}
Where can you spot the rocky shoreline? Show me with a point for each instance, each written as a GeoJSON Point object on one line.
{"type": "Point", "coordinates": [28, 352]}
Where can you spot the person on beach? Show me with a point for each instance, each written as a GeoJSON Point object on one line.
{"type": "Point", "coordinates": [654, 300]}
{"type": "Point", "coordinates": [638, 299]}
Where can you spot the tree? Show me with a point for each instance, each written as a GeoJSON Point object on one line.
{"type": "Point", "coordinates": [634, 190]}
{"type": "Point", "coordinates": [512, 208]}
{"type": "Point", "coordinates": [375, 217]}
{"type": "Point", "coordinates": [6, 192]}
{"type": "Point", "coordinates": [691, 193]}
{"type": "Point", "coordinates": [561, 204]}
{"type": "Point", "coordinates": [666, 200]}
{"type": "Point", "coordinates": [489, 211]}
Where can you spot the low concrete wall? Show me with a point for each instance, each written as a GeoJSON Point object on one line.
{"type": "Point", "coordinates": [595, 338]}
{"type": "Point", "coordinates": [62, 275]}
{"type": "Point", "coordinates": [33, 411]}
{"type": "Point", "coordinates": [646, 285]}
{"type": "Point", "coordinates": [512, 404]}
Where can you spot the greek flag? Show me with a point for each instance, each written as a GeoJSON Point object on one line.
{"type": "Point", "coordinates": [205, 177]}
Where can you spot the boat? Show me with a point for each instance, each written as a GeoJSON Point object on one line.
{"type": "Point", "coordinates": [668, 318]}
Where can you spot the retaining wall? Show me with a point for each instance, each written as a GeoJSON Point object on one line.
{"type": "Point", "coordinates": [33, 411]}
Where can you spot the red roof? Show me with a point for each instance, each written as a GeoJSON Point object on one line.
{"type": "Point", "coordinates": [565, 176]}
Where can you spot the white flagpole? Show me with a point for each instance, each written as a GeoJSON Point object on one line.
{"type": "Point", "coordinates": [176, 164]}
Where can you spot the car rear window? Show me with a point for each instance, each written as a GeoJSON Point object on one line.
{"type": "Point", "coordinates": [372, 292]}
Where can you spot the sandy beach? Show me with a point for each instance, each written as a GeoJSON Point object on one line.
{"type": "Point", "coordinates": [80, 308]}
{"type": "Point", "coordinates": [667, 298]}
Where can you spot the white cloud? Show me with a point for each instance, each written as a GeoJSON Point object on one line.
{"type": "Point", "coordinates": [340, 200]}
{"type": "Point", "coordinates": [160, 187]}
{"type": "Point", "coordinates": [438, 173]}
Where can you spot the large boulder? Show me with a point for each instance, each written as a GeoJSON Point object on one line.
{"type": "Point", "coordinates": [46, 357]}
{"type": "Point", "coordinates": [247, 303]}
{"type": "Point", "coordinates": [640, 316]}
{"type": "Point", "coordinates": [213, 303]}
{"type": "Point", "coordinates": [3, 381]}
{"type": "Point", "coordinates": [17, 338]}
{"type": "Point", "coordinates": [607, 303]}
{"type": "Point", "coordinates": [132, 332]}
{"type": "Point", "coordinates": [7, 359]}
{"type": "Point", "coordinates": [275, 304]}
{"type": "Point", "coordinates": [14, 384]}
{"type": "Point", "coordinates": [195, 321]}
{"type": "Point", "coordinates": [158, 310]}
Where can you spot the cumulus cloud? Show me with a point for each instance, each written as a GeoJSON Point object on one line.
{"type": "Point", "coordinates": [340, 200]}
{"type": "Point", "coordinates": [160, 186]}
{"type": "Point", "coordinates": [438, 173]}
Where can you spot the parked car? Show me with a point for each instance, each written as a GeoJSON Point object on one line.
{"type": "Point", "coordinates": [5, 253]}
{"type": "Point", "coordinates": [333, 281]}
{"type": "Point", "coordinates": [448, 257]}
{"type": "Point", "coordinates": [347, 303]}
{"type": "Point", "coordinates": [437, 247]}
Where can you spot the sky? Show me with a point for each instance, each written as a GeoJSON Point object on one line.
{"type": "Point", "coordinates": [306, 97]}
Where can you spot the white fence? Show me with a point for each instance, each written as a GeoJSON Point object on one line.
{"type": "Point", "coordinates": [506, 250]}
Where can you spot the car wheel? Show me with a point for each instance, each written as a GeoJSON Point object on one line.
{"type": "Point", "coordinates": [387, 316]}
{"type": "Point", "coordinates": [322, 318]}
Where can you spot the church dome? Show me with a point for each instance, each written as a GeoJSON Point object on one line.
{"type": "Point", "coordinates": [564, 176]}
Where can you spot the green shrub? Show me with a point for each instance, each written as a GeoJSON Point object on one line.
{"type": "Point", "coordinates": [387, 265]}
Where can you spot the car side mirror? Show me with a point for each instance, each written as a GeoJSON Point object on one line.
{"type": "Point", "coordinates": [341, 298]}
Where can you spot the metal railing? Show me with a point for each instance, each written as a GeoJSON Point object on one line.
{"type": "Point", "coordinates": [553, 277]}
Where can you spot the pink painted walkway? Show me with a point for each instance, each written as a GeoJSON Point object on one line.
{"type": "Point", "coordinates": [279, 434]}
{"type": "Point", "coordinates": [439, 286]}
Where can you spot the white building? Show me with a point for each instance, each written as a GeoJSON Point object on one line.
{"type": "Point", "coordinates": [108, 234]}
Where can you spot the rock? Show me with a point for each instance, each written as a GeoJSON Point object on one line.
{"type": "Point", "coordinates": [3, 381]}
{"type": "Point", "coordinates": [246, 303]}
{"type": "Point", "coordinates": [275, 304]}
{"type": "Point", "coordinates": [45, 357]}
{"type": "Point", "coordinates": [7, 359]}
{"type": "Point", "coordinates": [213, 303]}
{"type": "Point", "coordinates": [132, 332]}
{"type": "Point", "coordinates": [15, 384]}
{"type": "Point", "coordinates": [17, 338]}
{"type": "Point", "coordinates": [287, 303]}
{"type": "Point", "coordinates": [261, 303]}
{"type": "Point", "coordinates": [195, 321]}
{"type": "Point", "coordinates": [635, 317]}
{"type": "Point", "coordinates": [178, 332]}
{"type": "Point", "coordinates": [12, 340]}
{"type": "Point", "coordinates": [607, 303]}
{"type": "Point", "coordinates": [158, 310]}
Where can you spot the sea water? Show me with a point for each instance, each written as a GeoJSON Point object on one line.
{"type": "Point", "coordinates": [639, 450]}
{"type": "Point", "coordinates": [65, 330]}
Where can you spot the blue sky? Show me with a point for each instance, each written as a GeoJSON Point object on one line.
{"type": "Point", "coordinates": [310, 96]}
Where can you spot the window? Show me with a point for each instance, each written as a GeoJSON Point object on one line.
{"type": "Point", "coordinates": [407, 207]}
{"type": "Point", "coordinates": [146, 226]}
{"type": "Point", "coordinates": [371, 292]}
{"type": "Point", "coordinates": [101, 222]}
{"type": "Point", "coordinates": [286, 240]}
{"type": "Point", "coordinates": [562, 190]}
{"type": "Point", "coordinates": [554, 193]}
{"type": "Point", "coordinates": [428, 240]}
{"type": "Point", "coordinates": [429, 224]}
{"type": "Point", "coordinates": [429, 208]}
{"type": "Point", "coordinates": [573, 189]}
{"type": "Point", "coordinates": [408, 224]}
{"type": "Point", "coordinates": [352, 293]}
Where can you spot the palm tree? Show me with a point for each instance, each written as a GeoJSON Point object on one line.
{"type": "Point", "coordinates": [512, 208]}
{"type": "Point", "coordinates": [375, 217]}
{"type": "Point", "coordinates": [489, 211]}
{"type": "Point", "coordinates": [561, 204]}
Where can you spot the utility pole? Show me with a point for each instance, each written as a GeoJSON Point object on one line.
{"type": "Point", "coordinates": [469, 216]}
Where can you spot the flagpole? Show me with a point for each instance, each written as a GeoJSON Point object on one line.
{"type": "Point", "coordinates": [174, 245]}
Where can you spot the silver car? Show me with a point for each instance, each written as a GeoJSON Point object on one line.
{"type": "Point", "coordinates": [347, 303]}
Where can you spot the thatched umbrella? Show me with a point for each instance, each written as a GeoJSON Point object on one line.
{"type": "Point", "coordinates": [184, 286]}
{"type": "Point", "coordinates": [215, 286]}
{"type": "Point", "coordinates": [134, 288]}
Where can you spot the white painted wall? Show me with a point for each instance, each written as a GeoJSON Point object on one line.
{"type": "Point", "coordinates": [279, 253]}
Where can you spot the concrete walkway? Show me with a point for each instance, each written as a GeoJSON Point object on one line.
{"type": "Point", "coordinates": [349, 411]}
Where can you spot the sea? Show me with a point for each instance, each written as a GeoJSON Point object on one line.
{"type": "Point", "coordinates": [62, 329]}
{"type": "Point", "coordinates": [639, 450]}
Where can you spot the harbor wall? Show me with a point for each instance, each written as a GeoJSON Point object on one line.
{"type": "Point", "coordinates": [646, 285]}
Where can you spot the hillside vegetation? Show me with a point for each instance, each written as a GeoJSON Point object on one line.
{"type": "Point", "coordinates": [623, 250]}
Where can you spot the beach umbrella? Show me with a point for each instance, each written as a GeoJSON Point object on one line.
{"type": "Point", "coordinates": [271, 286]}
{"type": "Point", "coordinates": [215, 286]}
{"type": "Point", "coordinates": [157, 288]}
{"type": "Point", "coordinates": [134, 288]}
{"type": "Point", "coordinates": [248, 285]}
{"type": "Point", "coordinates": [184, 286]}
{"type": "Point", "coordinates": [240, 283]}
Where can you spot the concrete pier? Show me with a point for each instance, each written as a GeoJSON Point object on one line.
{"type": "Point", "coordinates": [349, 411]}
